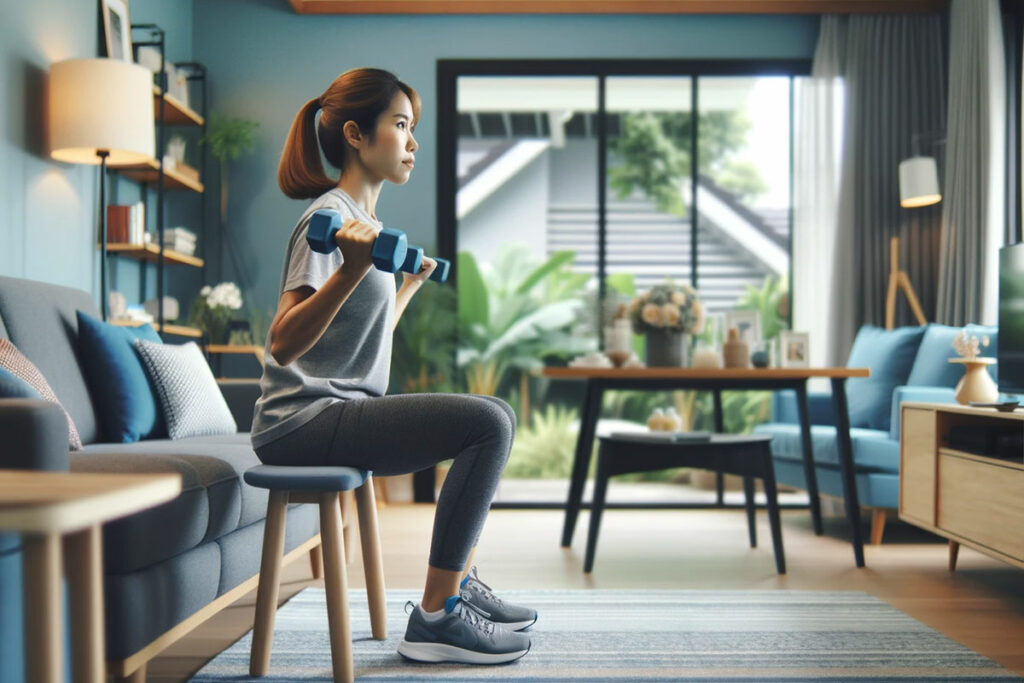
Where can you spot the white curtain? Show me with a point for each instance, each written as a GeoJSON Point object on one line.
{"type": "Point", "coordinates": [973, 210]}
{"type": "Point", "coordinates": [818, 123]}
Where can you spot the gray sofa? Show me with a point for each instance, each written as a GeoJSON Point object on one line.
{"type": "Point", "coordinates": [167, 568]}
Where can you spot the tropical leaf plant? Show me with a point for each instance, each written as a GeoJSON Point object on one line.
{"type": "Point", "coordinates": [424, 344]}
{"type": "Point", "coordinates": [515, 313]}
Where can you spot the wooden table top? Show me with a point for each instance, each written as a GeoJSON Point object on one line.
{"type": "Point", "coordinates": [58, 502]}
{"type": "Point", "coordinates": [704, 373]}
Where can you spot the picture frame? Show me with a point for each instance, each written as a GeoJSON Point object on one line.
{"type": "Point", "coordinates": [748, 323]}
{"type": "Point", "coordinates": [117, 29]}
{"type": "Point", "coordinates": [794, 349]}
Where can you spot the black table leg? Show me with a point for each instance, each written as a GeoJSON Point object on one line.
{"type": "Point", "coordinates": [810, 473]}
{"type": "Point", "coordinates": [771, 494]}
{"type": "Point", "coordinates": [596, 509]}
{"type": "Point", "coordinates": [584, 447]}
{"type": "Point", "coordinates": [719, 429]}
{"type": "Point", "coordinates": [748, 494]}
{"type": "Point", "coordinates": [846, 467]}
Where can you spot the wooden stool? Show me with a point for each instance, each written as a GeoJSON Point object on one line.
{"type": "Point", "coordinates": [320, 485]}
{"type": "Point", "coordinates": [746, 455]}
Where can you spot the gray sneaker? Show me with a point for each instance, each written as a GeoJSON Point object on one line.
{"type": "Point", "coordinates": [479, 596]}
{"type": "Point", "coordinates": [461, 635]}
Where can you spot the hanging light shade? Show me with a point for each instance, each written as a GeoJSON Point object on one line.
{"type": "Point", "coordinates": [101, 104]}
{"type": "Point", "coordinates": [919, 182]}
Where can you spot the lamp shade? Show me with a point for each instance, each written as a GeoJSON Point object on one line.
{"type": "Point", "coordinates": [101, 104]}
{"type": "Point", "coordinates": [919, 182]}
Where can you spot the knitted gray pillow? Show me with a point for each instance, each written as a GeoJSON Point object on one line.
{"type": "Point", "coordinates": [188, 393]}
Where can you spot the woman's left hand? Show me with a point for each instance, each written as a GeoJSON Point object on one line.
{"type": "Point", "coordinates": [419, 278]}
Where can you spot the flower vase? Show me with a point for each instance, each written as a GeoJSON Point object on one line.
{"type": "Point", "coordinates": [666, 349]}
{"type": "Point", "coordinates": [976, 385]}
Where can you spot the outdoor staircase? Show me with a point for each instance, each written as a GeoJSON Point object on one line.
{"type": "Point", "coordinates": [653, 246]}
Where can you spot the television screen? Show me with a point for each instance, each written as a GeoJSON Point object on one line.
{"type": "Point", "coordinates": [1010, 352]}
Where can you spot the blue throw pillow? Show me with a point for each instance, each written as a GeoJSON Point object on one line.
{"type": "Point", "coordinates": [126, 405]}
{"type": "Point", "coordinates": [931, 366]}
{"type": "Point", "coordinates": [12, 386]}
{"type": "Point", "coordinates": [890, 355]}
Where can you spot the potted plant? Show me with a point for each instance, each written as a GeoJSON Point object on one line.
{"type": "Point", "coordinates": [666, 315]}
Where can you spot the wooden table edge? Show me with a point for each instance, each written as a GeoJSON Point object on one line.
{"type": "Point", "coordinates": [705, 373]}
{"type": "Point", "coordinates": [79, 511]}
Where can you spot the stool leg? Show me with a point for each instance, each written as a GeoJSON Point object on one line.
{"type": "Point", "coordinates": [346, 526]}
{"type": "Point", "coordinates": [748, 495]}
{"type": "Point", "coordinates": [336, 584]}
{"type": "Point", "coordinates": [270, 577]}
{"type": "Point", "coordinates": [373, 565]}
{"type": "Point", "coordinates": [596, 508]}
{"type": "Point", "coordinates": [772, 496]}
{"type": "Point", "coordinates": [316, 561]}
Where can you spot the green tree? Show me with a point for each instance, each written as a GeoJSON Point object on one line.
{"type": "Point", "coordinates": [654, 151]}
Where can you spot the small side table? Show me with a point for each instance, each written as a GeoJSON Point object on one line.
{"type": "Point", "coordinates": [44, 507]}
{"type": "Point", "coordinates": [749, 456]}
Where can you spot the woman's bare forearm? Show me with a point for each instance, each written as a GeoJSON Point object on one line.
{"type": "Point", "coordinates": [403, 297]}
{"type": "Point", "coordinates": [303, 324]}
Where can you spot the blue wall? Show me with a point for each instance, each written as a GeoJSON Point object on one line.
{"type": "Point", "coordinates": [48, 210]}
{"type": "Point", "coordinates": [266, 62]}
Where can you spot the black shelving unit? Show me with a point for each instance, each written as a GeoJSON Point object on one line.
{"type": "Point", "coordinates": [168, 113]}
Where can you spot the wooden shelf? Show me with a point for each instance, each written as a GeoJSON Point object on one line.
{"type": "Point", "coordinates": [148, 172]}
{"type": "Point", "coordinates": [176, 113]}
{"type": "Point", "coordinates": [179, 330]}
{"type": "Point", "coordinates": [151, 252]}
{"type": "Point", "coordinates": [252, 349]}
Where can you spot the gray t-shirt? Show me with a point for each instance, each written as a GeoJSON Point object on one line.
{"type": "Point", "coordinates": [352, 359]}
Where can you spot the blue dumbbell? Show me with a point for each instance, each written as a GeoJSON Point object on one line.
{"type": "Point", "coordinates": [414, 260]}
{"type": "Point", "coordinates": [390, 249]}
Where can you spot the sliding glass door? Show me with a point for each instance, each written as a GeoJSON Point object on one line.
{"type": "Point", "coordinates": [571, 187]}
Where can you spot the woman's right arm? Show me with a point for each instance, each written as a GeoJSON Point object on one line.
{"type": "Point", "coordinates": [303, 314]}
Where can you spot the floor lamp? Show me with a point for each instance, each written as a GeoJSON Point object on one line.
{"type": "Point", "coordinates": [919, 186]}
{"type": "Point", "coordinates": [101, 113]}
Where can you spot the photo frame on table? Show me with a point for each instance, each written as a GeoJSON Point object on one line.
{"type": "Point", "coordinates": [794, 349]}
{"type": "Point", "coordinates": [748, 323]}
{"type": "Point", "coordinates": [117, 29]}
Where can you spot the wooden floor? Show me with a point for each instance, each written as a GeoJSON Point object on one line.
{"type": "Point", "coordinates": [980, 605]}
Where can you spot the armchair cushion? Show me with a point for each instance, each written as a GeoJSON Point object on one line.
{"type": "Point", "coordinates": [127, 407]}
{"type": "Point", "coordinates": [819, 405]}
{"type": "Point", "coordinates": [915, 395]}
{"type": "Point", "coordinates": [931, 365]}
{"type": "Point", "coordinates": [890, 355]}
{"type": "Point", "coordinates": [872, 449]}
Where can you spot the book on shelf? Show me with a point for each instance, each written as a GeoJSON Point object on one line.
{"type": "Point", "coordinates": [126, 223]}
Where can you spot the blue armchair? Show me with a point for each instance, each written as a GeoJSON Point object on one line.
{"type": "Point", "coordinates": [907, 364]}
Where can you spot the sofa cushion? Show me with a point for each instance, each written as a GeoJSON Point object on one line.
{"type": "Point", "coordinates": [872, 448]}
{"type": "Point", "coordinates": [15, 362]}
{"type": "Point", "coordinates": [214, 499]}
{"type": "Point", "coordinates": [42, 321]}
{"type": "Point", "coordinates": [931, 365]}
{"type": "Point", "coordinates": [890, 355]}
{"type": "Point", "coordinates": [127, 406]}
{"type": "Point", "coordinates": [12, 386]}
{"type": "Point", "coordinates": [191, 401]}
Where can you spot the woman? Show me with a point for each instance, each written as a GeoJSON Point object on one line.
{"type": "Point", "coordinates": [329, 346]}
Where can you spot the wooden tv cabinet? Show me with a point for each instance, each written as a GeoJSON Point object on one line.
{"type": "Point", "coordinates": [972, 499]}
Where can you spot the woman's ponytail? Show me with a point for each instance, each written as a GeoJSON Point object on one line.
{"type": "Point", "coordinates": [300, 173]}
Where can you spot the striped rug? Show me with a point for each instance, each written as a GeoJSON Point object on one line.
{"type": "Point", "coordinates": [609, 635]}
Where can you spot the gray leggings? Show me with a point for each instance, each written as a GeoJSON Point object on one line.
{"type": "Point", "coordinates": [409, 432]}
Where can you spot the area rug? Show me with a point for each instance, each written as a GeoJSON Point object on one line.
{"type": "Point", "coordinates": [631, 635]}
